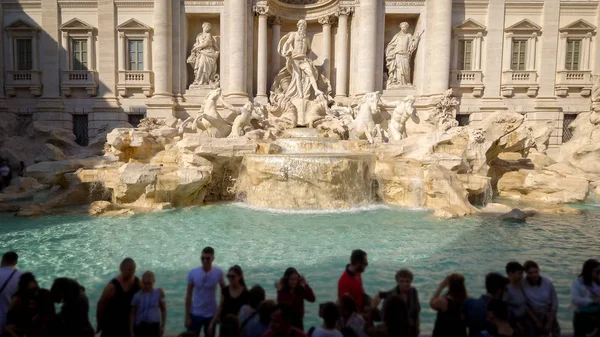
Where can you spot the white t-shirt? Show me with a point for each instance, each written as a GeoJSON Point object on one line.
{"type": "Point", "coordinates": [321, 332]}
{"type": "Point", "coordinates": [204, 301]}
{"type": "Point", "coordinates": [8, 292]}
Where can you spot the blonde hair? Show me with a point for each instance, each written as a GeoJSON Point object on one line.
{"type": "Point", "coordinates": [149, 274]}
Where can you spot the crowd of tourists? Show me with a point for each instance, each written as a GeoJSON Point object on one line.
{"type": "Point", "coordinates": [521, 304]}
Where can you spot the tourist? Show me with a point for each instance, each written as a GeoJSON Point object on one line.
{"type": "Point", "coordinates": [230, 326]}
{"type": "Point", "coordinates": [350, 318]}
{"type": "Point", "coordinates": [409, 295]}
{"type": "Point", "coordinates": [22, 169]}
{"type": "Point", "coordinates": [200, 298]}
{"type": "Point", "coordinates": [257, 325]}
{"type": "Point", "coordinates": [448, 306]}
{"type": "Point", "coordinates": [73, 319]}
{"type": "Point", "coordinates": [293, 289]}
{"type": "Point", "coordinates": [475, 310]}
{"type": "Point", "coordinates": [248, 311]}
{"type": "Point", "coordinates": [498, 315]}
{"type": "Point", "coordinates": [9, 282]}
{"type": "Point", "coordinates": [585, 299]}
{"type": "Point", "coordinates": [5, 175]}
{"type": "Point", "coordinates": [351, 281]}
{"type": "Point", "coordinates": [541, 301]}
{"type": "Point", "coordinates": [395, 320]}
{"type": "Point", "coordinates": [148, 309]}
{"type": "Point", "coordinates": [514, 297]}
{"type": "Point", "coordinates": [31, 312]}
{"type": "Point", "coordinates": [281, 323]}
{"type": "Point", "coordinates": [330, 314]}
{"type": "Point", "coordinates": [113, 313]}
{"type": "Point", "coordinates": [233, 296]}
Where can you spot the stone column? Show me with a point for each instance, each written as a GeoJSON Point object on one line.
{"type": "Point", "coordinates": [34, 51]}
{"type": "Point", "coordinates": [162, 48]}
{"type": "Point", "coordinates": [341, 53]}
{"type": "Point", "coordinates": [549, 44]}
{"type": "Point", "coordinates": [366, 60]}
{"type": "Point", "coordinates": [238, 48]}
{"type": "Point", "coordinates": [147, 52]}
{"type": "Point", "coordinates": [326, 22]}
{"type": "Point", "coordinates": [122, 47]}
{"type": "Point", "coordinates": [585, 50]}
{"type": "Point", "coordinates": [261, 71]}
{"type": "Point", "coordinates": [46, 59]}
{"type": "Point", "coordinates": [531, 53]}
{"type": "Point", "coordinates": [497, 54]}
{"type": "Point", "coordinates": [562, 49]}
{"type": "Point", "coordinates": [90, 52]}
{"type": "Point", "coordinates": [439, 18]}
{"type": "Point", "coordinates": [66, 46]}
{"type": "Point", "coordinates": [477, 51]}
{"type": "Point", "coordinates": [107, 79]}
{"type": "Point", "coordinates": [275, 22]}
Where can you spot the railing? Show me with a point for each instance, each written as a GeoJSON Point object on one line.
{"type": "Point", "coordinates": [133, 79]}
{"type": "Point", "coordinates": [519, 77]}
{"type": "Point", "coordinates": [574, 77]}
{"type": "Point", "coordinates": [466, 78]}
{"type": "Point", "coordinates": [78, 78]}
{"type": "Point", "coordinates": [24, 77]}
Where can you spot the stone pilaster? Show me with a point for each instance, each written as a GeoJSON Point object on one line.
{"type": "Point", "coordinates": [162, 103]}
{"type": "Point", "coordinates": [496, 58]}
{"type": "Point", "coordinates": [237, 36]}
{"type": "Point", "coordinates": [327, 22]}
{"type": "Point", "coordinates": [341, 53]}
{"type": "Point", "coordinates": [439, 19]}
{"type": "Point", "coordinates": [262, 54]}
{"type": "Point", "coordinates": [177, 49]}
{"type": "Point", "coordinates": [367, 15]}
{"type": "Point", "coordinates": [549, 46]}
{"type": "Point", "coordinates": [106, 106]}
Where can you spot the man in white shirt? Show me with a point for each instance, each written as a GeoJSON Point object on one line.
{"type": "Point", "coordinates": [200, 298]}
{"type": "Point", "coordinates": [9, 281]}
{"type": "Point", "coordinates": [542, 301]}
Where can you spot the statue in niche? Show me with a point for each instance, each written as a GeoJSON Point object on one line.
{"type": "Point", "coordinates": [400, 115]}
{"type": "Point", "coordinates": [204, 56]}
{"type": "Point", "coordinates": [398, 54]}
{"type": "Point", "coordinates": [299, 78]}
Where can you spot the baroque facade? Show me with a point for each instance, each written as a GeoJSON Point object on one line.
{"type": "Point", "coordinates": [90, 64]}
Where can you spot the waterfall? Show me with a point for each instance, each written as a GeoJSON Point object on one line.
{"type": "Point", "coordinates": [417, 192]}
{"type": "Point", "coordinates": [98, 190]}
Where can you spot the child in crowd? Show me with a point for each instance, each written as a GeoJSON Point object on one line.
{"type": "Point", "coordinates": [148, 309]}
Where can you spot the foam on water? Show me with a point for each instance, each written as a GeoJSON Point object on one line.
{"type": "Point", "coordinates": [360, 209]}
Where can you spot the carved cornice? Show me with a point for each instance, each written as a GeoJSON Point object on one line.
{"type": "Point", "coordinates": [261, 10]}
{"type": "Point", "coordinates": [471, 4]}
{"type": "Point", "coordinates": [203, 2]}
{"type": "Point", "coordinates": [582, 5]}
{"type": "Point", "coordinates": [520, 4]}
{"type": "Point", "coordinates": [305, 11]}
{"type": "Point", "coordinates": [78, 4]}
{"type": "Point", "coordinates": [345, 10]}
{"type": "Point", "coordinates": [21, 4]}
{"type": "Point", "coordinates": [327, 20]}
{"type": "Point", "coordinates": [405, 3]}
{"type": "Point", "coordinates": [134, 3]}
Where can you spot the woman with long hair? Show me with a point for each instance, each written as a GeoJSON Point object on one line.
{"type": "Point", "coordinates": [73, 319]}
{"type": "Point", "coordinates": [449, 322]}
{"type": "Point", "coordinates": [233, 296]}
{"type": "Point", "coordinates": [585, 299]}
{"type": "Point", "coordinates": [32, 311]}
{"type": "Point", "coordinates": [294, 290]}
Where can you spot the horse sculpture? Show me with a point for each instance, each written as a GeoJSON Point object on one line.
{"type": "Point", "coordinates": [363, 126]}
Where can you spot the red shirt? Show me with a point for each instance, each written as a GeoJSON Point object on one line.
{"type": "Point", "coordinates": [351, 283]}
{"type": "Point", "coordinates": [296, 299]}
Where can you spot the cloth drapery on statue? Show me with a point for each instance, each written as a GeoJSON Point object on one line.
{"type": "Point", "coordinates": [204, 56]}
{"type": "Point", "coordinates": [398, 54]}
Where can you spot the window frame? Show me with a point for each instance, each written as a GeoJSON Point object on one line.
{"type": "Point", "coordinates": [130, 30]}
{"type": "Point", "coordinates": [28, 55]}
{"type": "Point", "coordinates": [139, 54]}
{"type": "Point", "coordinates": [465, 57]}
{"type": "Point", "coordinates": [83, 52]}
{"type": "Point", "coordinates": [76, 29]}
{"type": "Point", "coordinates": [523, 51]}
{"type": "Point", "coordinates": [475, 32]}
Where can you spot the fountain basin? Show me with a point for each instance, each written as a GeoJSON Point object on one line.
{"type": "Point", "coordinates": [303, 181]}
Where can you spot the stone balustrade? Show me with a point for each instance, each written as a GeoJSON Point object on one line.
{"type": "Point", "coordinates": [574, 80]}
{"type": "Point", "coordinates": [23, 79]}
{"type": "Point", "coordinates": [142, 80]}
{"type": "Point", "coordinates": [521, 79]}
{"type": "Point", "coordinates": [470, 79]}
{"type": "Point", "coordinates": [85, 79]}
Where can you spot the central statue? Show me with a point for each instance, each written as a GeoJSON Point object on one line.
{"type": "Point", "coordinates": [299, 80]}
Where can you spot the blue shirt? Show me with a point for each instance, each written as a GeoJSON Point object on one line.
{"type": "Point", "coordinates": [475, 313]}
{"type": "Point", "coordinates": [148, 306]}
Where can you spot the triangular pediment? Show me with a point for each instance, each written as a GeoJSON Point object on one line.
{"type": "Point", "coordinates": [76, 24]}
{"type": "Point", "coordinates": [20, 24]}
{"type": "Point", "coordinates": [470, 25]}
{"type": "Point", "coordinates": [524, 26]}
{"type": "Point", "coordinates": [133, 24]}
{"type": "Point", "coordinates": [579, 26]}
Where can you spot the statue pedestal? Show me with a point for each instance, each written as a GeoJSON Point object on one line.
{"type": "Point", "coordinates": [398, 92]}
{"type": "Point", "coordinates": [302, 105]}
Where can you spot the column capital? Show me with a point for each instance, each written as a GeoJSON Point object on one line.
{"type": "Point", "coordinates": [274, 20]}
{"type": "Point", "coordinates": [327, 20]}
{"type": "Point", "coordinates": [261, 10]}
{"type": "Point", "coordinates": [344, 10]}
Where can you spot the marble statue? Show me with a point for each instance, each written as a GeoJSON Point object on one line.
{"type": "Point", "coordinates": [299, 78]}
{"type": "Point", "coordinates": [596, 91]}
{"type": "Point", "coordinates": [400, 115]}
{"type": "Point", "coordinates": [317, 110]}
{"type": "Point", "coordinates": [398, 54]}
{"type": "Point", "coordinates": [595, 97]}
{"type": "Point", "coordinates": [443, 118]}
{"type": "Point", "coordinates": [246, 113]}
{"type": "Point", "coordinates": [204, 56]}
{"type": "Point", "coordinates": [364, 126]}
{"type": "Point", "coordinates": [209, 119]}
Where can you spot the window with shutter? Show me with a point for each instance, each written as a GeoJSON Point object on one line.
{"type": "Point", "coordinates": [79, 54]}
{"type": "Point", "coordinates": [136, 55]}
{"type": "Point", "coordinates": [573, 52]}
{"type": "Point", "coordinates": [518, 54]}
{"type": "Point", "coordinates": [24, 54]}
{"type": "Point", "coordinates": [465, 54]}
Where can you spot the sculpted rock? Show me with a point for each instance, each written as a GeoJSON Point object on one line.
{"type": "Point", "coordinates": [514, 215]}
{"type": "Point", "coordinates": [543, 186]}
{"type": "Point", "coordinates": [133, 144]}
{"type": "Point", "coordinates": [183, 187]}
{"type": "Point", "coordinates": [24, 184]}
{"type": "Point", "coordinates": [133, 180]}
{"type": "Point", "coordinates": [495, 208]}
{"type": "Point", "coordinates": [50, 153]}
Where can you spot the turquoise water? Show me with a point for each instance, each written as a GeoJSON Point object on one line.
{"type": "Point", "coordinates": [319, 245]}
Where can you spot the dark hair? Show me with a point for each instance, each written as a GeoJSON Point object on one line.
{"type": "Point", "coordinates": [208, 250]}
{"type": "Point", "coordinates": [358, 255]}
{"type": "Point", "coordinates": [587, 272]}
{"type": "Point", "coordinates": [285, 280]}
{"type": "Point", "coordinates": [24, 281]}
{"type": "Point", "coordinates": [10, 258]}
{"type": "Point", "coordinates": [499, 308]}
{"type": "Point", "coordinates": [238, 270]}
{"type": "Point", "coordinates": [395, 316]}
{"type": "Point", "coordinates": [530, 264]}
{"type": "Point", "coordinates": [513, 267]}
{"type": "Point", "coordinates": [495, 282]}
{"type": "Point", "coordinates": [126, 262]}
{"type": "Point", "coordinates": [456, 287]}
{"type": "Point", "coordinates": [66, 290]}
{"type": "Point", "coordinates": [265, 310]}
{"type": "Point", "coordinates": [255, 296]}
{"type": "Point", "coordinates": [230, 327]}
{"type": "Point", "coordinates": [348, 332]}
{"type": "Point", "coordinates": [330, 314]}
{"type": "Point", "coordinates": [347, 303]}
{"type": "Point", "coordinates": [404, 273]}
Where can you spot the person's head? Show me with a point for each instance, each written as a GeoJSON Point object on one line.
{"type": "Point", "coordinates": [532, 271]}
{"type": "Point", "coordinates": [255, 296]}
{"type": "Point", "coordinates": [148, 280]}
{"type": "Point", "coordinates": [290, 279]}
{"type": "Point", "coordinates": [514, 271]}
{"type": "Point", "coordinates": [358, 260]}
{"type": "Point", "coordinates": [65, 290]}
{"type": "Point", "coordinates": [404, 27]}
{"type": "Point", "coordinates": [207, 257]}
{"type": "Point", "coordinates": [347, 305]}
{"type": "Point", "coordinates": [497, 311]}
{"type": "Point", "coordinates": [27, 284]}
{"type": "Point", "coordinates": [235, 275]}
{"type": "Point", "coordinates": [206, 27]}
{"type": "Point", "coordinates": [395, 316]}
{"type": "Point", "coordinates": [590, 272]}
{"type": "Point", "coordinates": [495, 284]}
{"type": "Point", "coordinates": [9, 259]}
{"type": "Point", "coordinates": [127, 269]}
{"type": "Point", "coordinates": [330, 314]}
{"type": "Point", "coordinates": [404, 278]}
{"type": "Point", "coordinates": [282, 317]}
{"type": "Point", "coordinates": [456, 287]}
{"type": "Point", "coordinates": [230, 327]}
{"type": "Point", "coordinates": [265, 310]}
{"type": "Point", "coordinates": [301, 26]}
